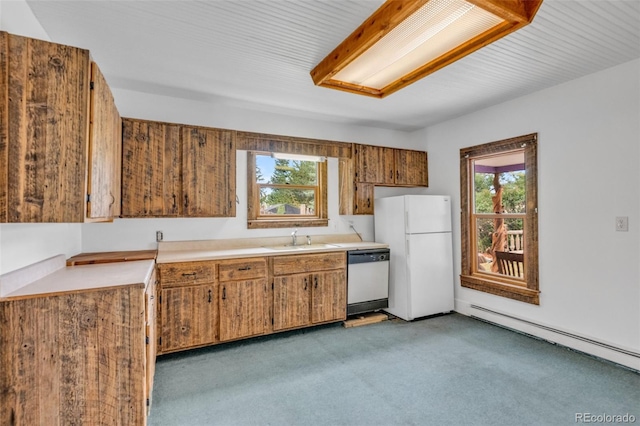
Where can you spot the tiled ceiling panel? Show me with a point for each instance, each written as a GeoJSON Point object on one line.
{"type": "Point", "coordinates": [260, 53]}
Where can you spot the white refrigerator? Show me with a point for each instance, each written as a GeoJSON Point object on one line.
{"type": "Point", "coordinates": [417, 229]}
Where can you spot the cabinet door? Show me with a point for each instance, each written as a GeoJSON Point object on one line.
{"type": "Point", "coordinates": [412, 168]}
{"type": "Point", "coordinates": [151, 167]}
{"type": "Point", "coordinates": [363, 198]}
{"type": "Point", "coordinates": [375, 164]}
{"type": "Point", "coordinates": [329, 296]}
{"type": "Point", "coordinates": [208, 172]}
{"type": "Point", "coordinates": [243, 308]}
{"type": "Point", "coordinates": [47, 122]}
{"type": "Point", "coordinates": [105, 144]}
{"type": "Point", "coordinates": [291, 301]}
{"type": "Point", "coordinates": [188, 317]}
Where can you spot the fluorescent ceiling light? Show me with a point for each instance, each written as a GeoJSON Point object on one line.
{"type": "Point", "coordinates": [405, 40]}
{"type": "Point", "coordinates": [298, 157]}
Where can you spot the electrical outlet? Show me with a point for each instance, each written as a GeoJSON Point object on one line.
{"type": "Point", "coordinates": [622, 223]}
{"type": "Point", "coordinates": [159, 236]}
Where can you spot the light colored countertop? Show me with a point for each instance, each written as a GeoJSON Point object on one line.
{"type": "Point", "coordinates": [190, 251]}
{"type": "Point", "coordinates": [23, 283]}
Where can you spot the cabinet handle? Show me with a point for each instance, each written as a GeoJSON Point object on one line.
{"type": "Point", "coordinates": [315, 282]}
{"type": "Point", "coordinates": [174, 201]}
{"type": "Point", "coordinates": [113, 199]}
{"type": "Point", "coordinates": [210, 295]}
{"type": "Point", "coordinates": [390, 174]}
{"type": "Point", "coordinates": [397, 174]}
{"type": "Point", "coordinates": [190, 274]}
{"type": "Point", "coordinates": [246, 268]}
{"type": "Point", "coordinates": [224, 294]}
{"type": "Point", "coordinates": [305, 284]}
{"type": "Point", "coordinates": [368, 202]}
{"type": "Point", "coordinates": [186, 201]}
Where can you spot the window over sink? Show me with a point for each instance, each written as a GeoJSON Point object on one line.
{"type": "Point", "coordinates": [286, 191]}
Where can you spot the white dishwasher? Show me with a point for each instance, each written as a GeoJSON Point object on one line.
{"type": "Point", "coordinates": [367, 280]}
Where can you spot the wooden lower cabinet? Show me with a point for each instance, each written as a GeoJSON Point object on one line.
{"type": "Point", "coordinates": [204, 303]}
{"type": "Point", "coordinates": [309, 289]}
{"type": "Point", "coordinates": [329, 296]}
{"type": "Point", "coordinates": [188, 317]}
{"type": "Point", "coordinates": [243, 309]}
{"type": "Point", "coordinates": [291, 301]}
{"type": "Point", "coordinates": [74, 359]}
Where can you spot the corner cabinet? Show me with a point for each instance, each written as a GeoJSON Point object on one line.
{"type": "Point", "coordinates": [76, 358]}
{"type": "Point", "coordinates": [372, 166]}
{"type": "Point", "coordinates": [59, 135]}
{"type": "Point", "coordinates": [172, 170]}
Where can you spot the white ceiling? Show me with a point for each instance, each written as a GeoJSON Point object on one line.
{"type": "Point", "coordinates": [258, 54]}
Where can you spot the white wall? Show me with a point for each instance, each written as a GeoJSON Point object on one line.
{"type": "Point", "coordinates": [24, 244]}
{"type": "Point", "coordinates": [589, 162]}
{"type": "Point", "coordinates": [16, 17]}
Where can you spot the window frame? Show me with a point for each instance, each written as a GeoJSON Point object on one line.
{"type": "Point", "coordinates": [257, 221]}
{"type": "Point", "coordinates": [526, 290]}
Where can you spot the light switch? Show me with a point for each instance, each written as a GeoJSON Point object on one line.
{"type": "Point", "coordinates": [622, 223]}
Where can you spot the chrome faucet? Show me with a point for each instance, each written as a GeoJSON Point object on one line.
{"type": "Point", "coordinates": [308, 240]}
{"type": "Point", "coordinates": [294, 237]}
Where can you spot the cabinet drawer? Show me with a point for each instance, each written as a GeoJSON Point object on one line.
{"type": "Point", "coordinates": [294, 264]}
{"type": "Point", "coordinates": [241, 269]}
{"type": "Point", "coordinates": [187, 273]}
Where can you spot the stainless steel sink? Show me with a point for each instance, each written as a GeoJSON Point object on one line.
{"type": "Point", "coordinates": [318, 246]}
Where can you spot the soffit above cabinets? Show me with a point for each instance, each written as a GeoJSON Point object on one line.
{"type": "Point", "coordinates": [258, 54]}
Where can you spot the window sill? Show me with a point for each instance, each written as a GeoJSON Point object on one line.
{"type": "Point", "coordinates": [501, 288]}
{"type": "Point", "coordinates": [286, 223]}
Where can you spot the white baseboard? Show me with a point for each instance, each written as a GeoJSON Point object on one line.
{"type": "Point", "coordinates": [627, 357]}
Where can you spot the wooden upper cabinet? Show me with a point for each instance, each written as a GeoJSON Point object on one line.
{"type": "Point", "coordinates": [411, 168]}
{"type": "Point", "coordinates": [374, 164]}
{"type": "Point", "coordinates": [363, 194]}
{"type": "Point", "coordinates": [45, 117]}
{"type": "Point", "coordinates": [105, 151]}
{"type": "Point", "coordinates": [208, 172]}
{"type": "Point", "coordinates": [390, 166]}
{"type": "Point", "coordinates": [151, 168]}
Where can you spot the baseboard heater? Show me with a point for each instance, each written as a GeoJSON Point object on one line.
{"type": "Point", "coordinates": [554, 330]}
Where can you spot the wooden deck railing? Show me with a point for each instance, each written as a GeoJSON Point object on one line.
{"type": "Point", "coordinates": [515, 240]}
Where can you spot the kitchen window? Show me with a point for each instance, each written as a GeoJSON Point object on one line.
{"type": "Point", "coordinates": [286, 192]}
{"type": "Point", "coordinates": [498, 193]}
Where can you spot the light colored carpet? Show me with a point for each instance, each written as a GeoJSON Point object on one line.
{"type": "Point", "coordinates": [448, 370]}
